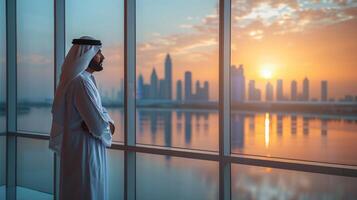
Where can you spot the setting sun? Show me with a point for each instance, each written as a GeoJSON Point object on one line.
{"type": "Point", "coordinates": [266, 72]}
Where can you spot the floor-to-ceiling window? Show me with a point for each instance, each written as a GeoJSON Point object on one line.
{"type": "Point", "coordinates": [35, 89]}
{"type": "Point", "coordinates": [293, 93]}
{"type": "Point", "coordinates": [177, 96]}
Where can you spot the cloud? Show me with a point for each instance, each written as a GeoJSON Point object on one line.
{"type": "Point", "coordinates": [290, 16]}
{"type": "Point", "coordinates": [35, 59]}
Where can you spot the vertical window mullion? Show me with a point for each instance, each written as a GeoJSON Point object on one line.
{"type": "Point", "coordinates": [59, 55]}
{"type": "Point", "coordinates": [224, 98]}
{"type": "Point", "coordinates": [129, 101]}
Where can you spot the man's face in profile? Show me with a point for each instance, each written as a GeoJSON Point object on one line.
{"type": "Point", "coordinates": [97, 62]}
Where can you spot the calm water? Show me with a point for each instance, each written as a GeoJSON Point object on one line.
{"type": "Point", "coordinates": [318, 138]}
{"type": "Point", "coordinates": [295, 136]}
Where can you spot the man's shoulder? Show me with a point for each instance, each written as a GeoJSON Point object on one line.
{"type": "Point", "coordinates": [78, 80]}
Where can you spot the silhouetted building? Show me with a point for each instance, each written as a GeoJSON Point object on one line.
{"type": "Point", "coordinates": [154, 85]}
{"type": "Point", "coordinates": [293, 88]}
{"type": "Point", "coordinates": [188, 85]}
{"type": "Point", "coordinates": [201, 92]}
{"type": "Point", "coordinates": [140, 89]}
{"type": "Point", "coordinates": [179, 90]}
{"type": "Point", "coordinates": [257, 95]}
{"type": "Point", "coordinates": [279, 90]}
{"type": "Point", "coordinates": [324, 95]}
{"type": "Point", "coordinates": [305, 90]}
{"type": "Point", "coordinates": [168, 78]}
{"type": "Point", "coordinates": [206, 90]}
{"type": "Point", "coordinates": [269, 92]}
{"type": "Point", "coordinates": [237, 84]}
{"type": "Point", "coordinates": [251, 90]}
{"type": "Point", "coordinates": [162, 89]}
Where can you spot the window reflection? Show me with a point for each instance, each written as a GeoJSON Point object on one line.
{"type": "Point", "coordinates": [250, 182]}
{"type": "Point", "coordinates": [166, 177]}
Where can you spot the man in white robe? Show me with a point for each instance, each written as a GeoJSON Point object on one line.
{"type": "Point", "coordinates": [81, 127]}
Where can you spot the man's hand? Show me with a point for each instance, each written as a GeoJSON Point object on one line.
{"type": "Point", "coordinates": [112, 128]}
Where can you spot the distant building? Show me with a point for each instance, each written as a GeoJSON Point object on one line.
{"type": "Point", "coordinates": [293, 93]}
{"type": "Point", "coordinates": [237, 84]}
{"type": "Point", "coordinates": [251, 90]}
{"type": "Point", "coordinates": [324, 89]}
{"type": "Point", "coordinates": [206, 90]}
{"type": "Point", "coordinates": [154, 85]}
{"type": "Point", "coordinates": [162, 89]}
{"type": "Point", "coordinates": [269, 92]}
{"type": "Point", "coordinates": [188, 85]}
{"type": "Point", "coordinates": [279, 90]}
{"type": "Point", "coordinates": [168, 78]}
{"type": "Point", "coordinates": [257, 95]}
{"type": "Point", "coordinates": [179, 90]}
{"type": "Point", "coordinates": [140, 89]}
{"type": "Point", "coordinates": [305, 90]}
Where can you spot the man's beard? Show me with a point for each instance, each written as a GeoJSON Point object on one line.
{"type": "Point", "coordinates": [96, 66]}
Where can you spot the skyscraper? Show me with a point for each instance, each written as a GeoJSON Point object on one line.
{"type": "Point", "coordinates": [179, 90]}
{"type": "Point", "coordinates": [206, 89]}
{"type": "Point", "coordinates": [188, 85]}
{"type": "Point", "coordinates": [305, 89]}
{"type": "Point", "coordinates": [293, 89]}
{"type": "Point", "coordinates": [251, 90]}
{"type": "Point", "coordinates": [140, 89]}
{"type": "Point", "coordinates": [154, 85]}
{"type": "Point", "coordinates": [237, 83]}
{"type": "Point", "coordinates": [324, 89]}
{"type": "Point", "coordinates": [279, 90]}
{"type": "Point", "coordinates": [269, 92]}
{"type": "Point", "coordinates": [168, 77]}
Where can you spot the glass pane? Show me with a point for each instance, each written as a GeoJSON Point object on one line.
{"type": "Point", "coordinates": [166, 177]}
{"type": "Point", "coordinates": [293, 80]}
{"type": "Point", "coordinates": [35, 65]}
{"type": "Point", "coordinates": [116, 174]}
{"type": "Point", "coordinates": [107, 25]}
{"type": "Point", "coordinates": [2, 68]}
{"type": "Point", "coordinates": [34, 169]}
{"type": "Point", "coordinates": [250, 182]}
{"type": "Point", "coordinates": [175, 43]}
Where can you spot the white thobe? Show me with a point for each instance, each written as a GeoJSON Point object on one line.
{"type": "Point", "coordinates": [84, 172]}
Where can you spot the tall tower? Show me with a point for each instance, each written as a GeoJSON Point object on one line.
{"type": "Point", "coordinates": [324, 89]}
{"type": "Point", "coordinates": [188, 85]}
{"type": "Point", "coordinates": [237, 83]}
{"type": "Point", "coordinates": [269, 92]}
{"type": "Point", "coordinates": [140, 89]}
{"type": "Point", "coordinates": [293, 88]}
{"type": "Point", "coordinates": [279, 90]}
{"type": "Point", "coordinates": [179, 90]}
{"type": "Point", "coordinates": [206, 90]}
{"type": "Point", "coordinates": [305, 89]}
{"type": "Point", "coordinates": [168, 77]}
{"type": "Point", "coordinates": [154, 85]}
